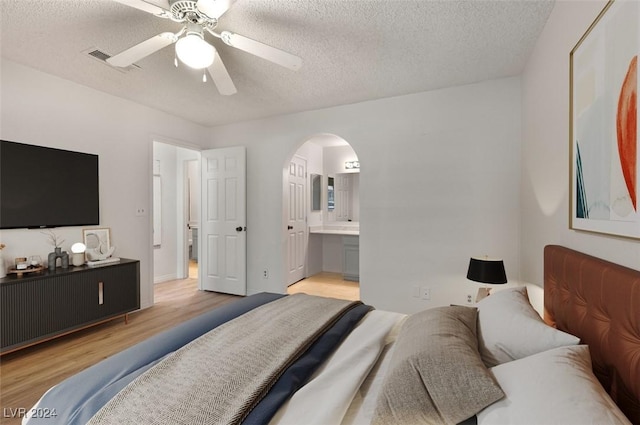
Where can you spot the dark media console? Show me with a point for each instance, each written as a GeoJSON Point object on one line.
{"type": "Point", "coordinates": [42, 306]}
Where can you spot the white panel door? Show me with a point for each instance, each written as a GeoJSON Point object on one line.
{"type": "Point", "coordinates": [223, 236]}
{"type": "Point", "coordinates": [297, 220]}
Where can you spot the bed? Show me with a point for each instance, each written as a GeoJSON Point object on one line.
{"type": "Point", "coordinates": [600, 302]}
{"type": "Point", "coordinates": [275, 359]}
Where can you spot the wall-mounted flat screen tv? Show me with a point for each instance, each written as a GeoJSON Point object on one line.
{"type": "Point", "coordinates": [45, 187]}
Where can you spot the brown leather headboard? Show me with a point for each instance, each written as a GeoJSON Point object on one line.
{"type": "Point", "coordinates": [599, 302]}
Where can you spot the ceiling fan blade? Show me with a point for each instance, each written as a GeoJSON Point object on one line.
{"type": "Point", "coordinates": [146, 7]}
{"type": "Point", "coordinates": [221, 77]}
{"type": "Point", "coordinates": [262, 50]}
{"type": "Point", "coordinates": [141, 50]}
{"type": "Point", "coordinates": [214, 8]}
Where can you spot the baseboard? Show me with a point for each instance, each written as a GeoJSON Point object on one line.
{"type": "Point", "coordinates": [165, 278]}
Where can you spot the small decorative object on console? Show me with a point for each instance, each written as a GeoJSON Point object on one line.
{"type": "Point", "coordinates": [98, 243]}
{"type": "Point", "coordinates": [52, 259]}
{"type": "Point", "coordinates": [78, 250]}
{"type": "Point", "coordinates": [23, 266]}
{"type": "Point", "coordinates": [110, 260]}
{"type": "Point", "coordinates": [21, 263]}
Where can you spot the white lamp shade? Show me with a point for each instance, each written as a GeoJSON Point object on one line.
{"type": "Point", "coordinates": [194, 51]}
{"type": "Point", "coordinates": [78, 248]}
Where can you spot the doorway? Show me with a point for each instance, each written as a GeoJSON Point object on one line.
{"type": "Point", "coordinates": [176, 203]}
{"type": "Point", "coordinates": [326, 255]}
{"type": "Point", "coordinates": [192, 204]}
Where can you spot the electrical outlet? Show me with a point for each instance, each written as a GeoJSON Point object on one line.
{"type": "Point", "coordinates": [141, 211]}
{"type": "Point", "coordinates": [265, 274]}
{"type": "Point", "coordinates": [469, 299]}
{"type": "Point", "coordinates": [426, 293]}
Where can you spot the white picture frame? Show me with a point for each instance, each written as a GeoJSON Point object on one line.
{"type": "Point", "coordinates": [99, 239]}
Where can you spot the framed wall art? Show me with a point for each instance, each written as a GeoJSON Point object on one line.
{"type": "Point", "coordinates": [98, 240]}
{"type": "Point", "coordinates": [604, 124]}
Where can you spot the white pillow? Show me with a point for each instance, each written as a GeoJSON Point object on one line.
{"type": "Point", "coordinates": [553, 387]}
{"type": "Point", "coordinates": [509, 328]}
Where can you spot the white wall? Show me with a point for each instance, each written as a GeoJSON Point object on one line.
{"type": "Point", "coordinates": [545, 153]}
{"type": "Point", "coordinates": [439, 183]}
{"type": "Point", "coordinates": [313, 154]}
{"type": "Point", "coordinates": [40, 109]}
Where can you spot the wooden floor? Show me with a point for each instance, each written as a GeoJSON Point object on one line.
{"type": "Point", "coordinates": [327, 285]}
{"type": "Point", "coordinates": [26, 374]}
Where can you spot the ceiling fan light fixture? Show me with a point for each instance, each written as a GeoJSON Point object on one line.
{"type": "Point", "coordinates": [194, 51]}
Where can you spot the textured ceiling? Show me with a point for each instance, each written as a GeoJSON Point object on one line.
{"type": "Point", "coordinates": [352, 50]}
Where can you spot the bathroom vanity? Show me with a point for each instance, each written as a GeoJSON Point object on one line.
{"type": "Point", "coordinates": [338, 244]}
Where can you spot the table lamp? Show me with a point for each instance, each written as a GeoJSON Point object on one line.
{"type": "Point", "coordinates": [78, 250]}
{"type": "Point", "coordinates": [486, 270]}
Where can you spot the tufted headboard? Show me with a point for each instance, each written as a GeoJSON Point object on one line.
{"type": "Point", "coordinates": [599, 302]}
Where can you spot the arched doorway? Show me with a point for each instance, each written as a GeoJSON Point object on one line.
{"type": "Point", "coordinates": [321, 214]}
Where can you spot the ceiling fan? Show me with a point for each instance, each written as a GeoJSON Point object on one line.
{"type": "Point", "coordinates": [198, 17]}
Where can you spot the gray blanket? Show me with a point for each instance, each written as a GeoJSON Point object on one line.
{"type": "Point", "coordinates": [219, 377]}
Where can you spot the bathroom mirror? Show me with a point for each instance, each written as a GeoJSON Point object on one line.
{"type": "Point", "coordinates": [316, 192]}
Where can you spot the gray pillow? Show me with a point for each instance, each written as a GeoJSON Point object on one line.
{"type": "Point", "coordinates": [436, 375]}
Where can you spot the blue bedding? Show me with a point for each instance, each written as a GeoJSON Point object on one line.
{"type": "Point", "coordinates": [78, 398]}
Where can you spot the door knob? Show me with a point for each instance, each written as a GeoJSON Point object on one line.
{"type": "Point", "coordinates": [289, 227]}
{"type": "Point", "coordinates": [239, 228]}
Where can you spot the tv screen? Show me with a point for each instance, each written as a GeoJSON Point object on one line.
{"type": "Point", "coordinates": [46, 187]}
